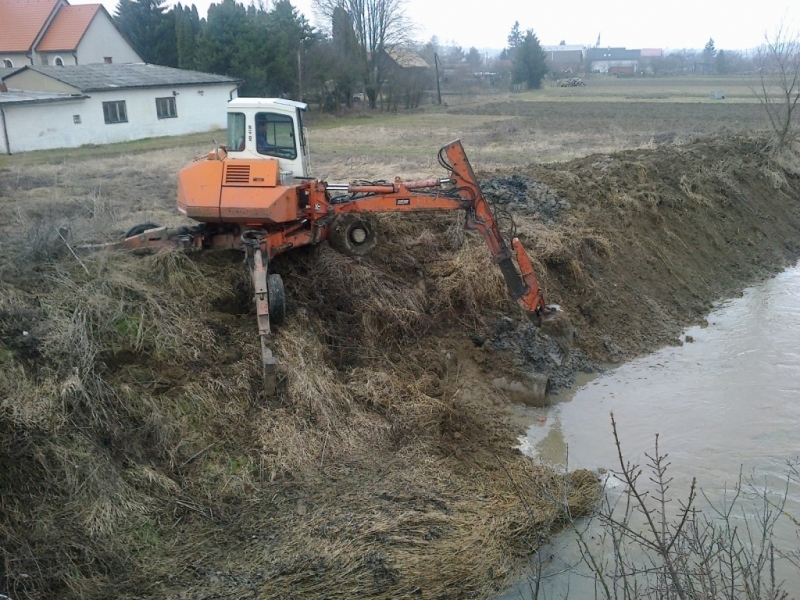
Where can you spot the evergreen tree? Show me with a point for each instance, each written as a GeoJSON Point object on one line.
{"type": "Point", "coordinates": [455, 55]}
{"type": "Point", "coordinates": [348, 57]}
{"type": "Point", "coordinates": [221, 39]}
{"type": "Point", "coordinates": [721, 62]}
{"type": "Point", "coordinates": [709, 52]}
{"type": "Point", "coordinates": [150, 29]}
{"type": "Point", "coordinates": [289, 34]}
{"type": "Point", "coordinates": [474, 58]}
{"type": "Point", "coordinates": [187, 29]}
{"type": "Point", "coordinates": [528, 61]}
{"type": "Point", "coordinates": [515, 38]}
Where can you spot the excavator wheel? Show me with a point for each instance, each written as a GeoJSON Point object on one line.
{"type": "Point", "coordinates": [140, 229]}
{"type": "Point", "coordinates": [277, 299]}
{"type": "Point", "coordinates": [352, 234]}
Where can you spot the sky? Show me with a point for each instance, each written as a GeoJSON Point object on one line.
{"type": "Point", "coordinates": [666, 24]}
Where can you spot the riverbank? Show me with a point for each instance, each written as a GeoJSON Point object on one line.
{"type": "Point", "coordinates": [141, 459]}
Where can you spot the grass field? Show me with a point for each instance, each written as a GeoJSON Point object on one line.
{"type": "Point", "coordinates": [547, 125]}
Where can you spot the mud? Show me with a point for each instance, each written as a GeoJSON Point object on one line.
{"type": "Point", "coordinates": [134, 435]}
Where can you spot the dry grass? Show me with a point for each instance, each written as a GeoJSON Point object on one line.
{"type": "Point", "coordinates": [127, 424]}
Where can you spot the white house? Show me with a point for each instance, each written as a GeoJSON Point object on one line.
{"type": "Point", "coordinates": [73, 105]}
{"type": "Point", "coordinates": [52, 32]}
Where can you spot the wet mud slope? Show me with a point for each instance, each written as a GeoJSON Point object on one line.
{"type": "Point", "coordinates": [139, 457]}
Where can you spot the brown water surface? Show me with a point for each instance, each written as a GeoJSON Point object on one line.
{"type": "Point", "coordinates": [727, 401]}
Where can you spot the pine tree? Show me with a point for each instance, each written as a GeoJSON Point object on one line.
{"type": "Point", "coordinates": [528, 61]}
{"type": "Point", "coordinates": [349, 62]}
{"type": "Point", "coordinates": [150, 28]}
{"type": "Point", "coordinates": [709, 52]}
{"type": "Point", "coordinates": [187, 29]}
{"type": "Point", "coordinates": [474, 58]}
{"type": "Point", "coordinates": [515, 38]}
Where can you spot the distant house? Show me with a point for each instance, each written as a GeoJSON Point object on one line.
{"type": "Point", "coordinates": [52, 32]}
{"type": "Point", "coordinates": [403, 60]}
{"type": "Point", "coordinates": [407, 75]}
{"type": "Point", "coordinates": [613, 61]}
{"type": "Point", "coordinates": [650, 59]}
{"type": "Point", "coordinates": [72, 105]}
{"type": "Point", "coordinates": [564, 57]}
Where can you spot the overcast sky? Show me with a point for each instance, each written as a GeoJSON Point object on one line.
{"type": "Point", "coordinates": [667, 24]}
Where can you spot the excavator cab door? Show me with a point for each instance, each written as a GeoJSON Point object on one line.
{"type": "Point", "coordinates": [301, 136]}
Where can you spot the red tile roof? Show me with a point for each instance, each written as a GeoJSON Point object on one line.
{"type": "Point", "coordinates": [22, 20]}
{"type": "Point", "coordinates": [67, 29]}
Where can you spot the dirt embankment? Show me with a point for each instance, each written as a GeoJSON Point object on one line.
{"type": "Point", "coordinates": [651, 238]}
{"type": "Point", "coordinates": [139, 458]}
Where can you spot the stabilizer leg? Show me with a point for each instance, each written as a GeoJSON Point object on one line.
{"type": "Point", "coordinates": [258, 266]}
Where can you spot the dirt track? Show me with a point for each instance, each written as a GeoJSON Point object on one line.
{"type": "Point", "coordinates": [139, 458]}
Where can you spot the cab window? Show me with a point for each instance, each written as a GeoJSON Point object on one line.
{"type": "Point", "coordinates": [236, 133]}
{"type": "Point", "coordinates": [275, 135]}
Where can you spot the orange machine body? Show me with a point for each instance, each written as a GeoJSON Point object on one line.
{"type": "Point", "coordinates": [215, 189]}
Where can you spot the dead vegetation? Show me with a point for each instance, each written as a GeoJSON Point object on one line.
{"type": "Point", "coordinates": [140, 459]}
{"type": "Point", "coordinates": [134, 430]}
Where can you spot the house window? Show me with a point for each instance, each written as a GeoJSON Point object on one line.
{"type": "Point", "coordinates": [76, 119]}
{"type": "Point", "coordinates": [114, 112]}
{"type": "Point", "coordinates": [58, 61]}
{"type": "Point", "coordinates": [7, 63]}
{"type": "Point", "coordinates": [107, 60]}
{"type": "Point", "coordinates": [165, 107]}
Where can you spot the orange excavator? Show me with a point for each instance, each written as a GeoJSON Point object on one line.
{"type": "Point", "coordinates": [254, 194]}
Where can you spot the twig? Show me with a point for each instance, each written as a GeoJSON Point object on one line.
{"type": "Point", "coordinates": [324, 445]}
{"type": "Point", "coordinates": [63, 239]}
{"type": "Point", "coordinates": [191, 458]}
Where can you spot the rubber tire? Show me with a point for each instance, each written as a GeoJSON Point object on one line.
{"type": "Point", "coordinates": [341, 239]}
{"type": "Point", "coordinates": [140, 229]}
{"type": "Point", "coordinates": [277, 299]}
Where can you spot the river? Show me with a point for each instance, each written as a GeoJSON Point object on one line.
{"type": "Point", "coordinates": [726, 401]}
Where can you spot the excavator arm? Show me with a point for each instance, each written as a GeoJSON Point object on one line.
{"type": "Point", "coordinates": [462, 191]}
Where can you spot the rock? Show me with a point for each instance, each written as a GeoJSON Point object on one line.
{"type": "Point", "coordinates": [530, 388]}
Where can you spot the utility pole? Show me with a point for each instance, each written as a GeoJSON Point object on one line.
{"type": "Point", "coordinates": [299, 76]}
{"type": "Point", "coordinates": [436, 65]}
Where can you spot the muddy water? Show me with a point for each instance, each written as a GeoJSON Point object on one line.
{"type": "Point", "coordinates": [728, 400]}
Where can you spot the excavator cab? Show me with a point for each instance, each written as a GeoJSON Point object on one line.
{"type": "Point", "coordinates": [269, 128]}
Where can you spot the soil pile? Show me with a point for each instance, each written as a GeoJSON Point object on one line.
{"type": "Point", "coordinates": [139, 457]}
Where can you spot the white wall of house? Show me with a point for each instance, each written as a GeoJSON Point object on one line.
{"type": "Point", "coordinates": [17, 59]}
{"type": "Point", "coordinates": [102, 40]}
{"type": "Point", "coordinates": [605, 66]}
{"type": "Point", "coordinates": [53, 125]}
{"type": "Point", "coordinates": [49, 58]}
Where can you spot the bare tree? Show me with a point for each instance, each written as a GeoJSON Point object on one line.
{"type": "Point", "coordinates": [779, 91]}
{"type": "Point", "coordinates": [378, 25]}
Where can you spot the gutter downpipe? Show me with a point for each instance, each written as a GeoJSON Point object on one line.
{"type": "Point", "coordinates": [5, 130]}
